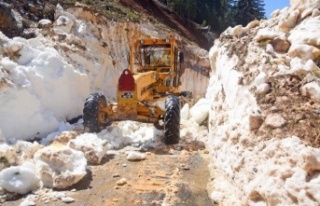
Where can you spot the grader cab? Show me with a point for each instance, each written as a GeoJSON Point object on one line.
{"type": "Point", "coordinates": [154, 74]}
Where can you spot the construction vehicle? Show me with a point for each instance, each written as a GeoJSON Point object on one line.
{"type": "Point", "coordinates": [154, 74]}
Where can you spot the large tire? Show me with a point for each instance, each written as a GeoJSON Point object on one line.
{"type": "Point", "coordinates": [172, 120]}
{"type": "Point", "coordinates": [91, 112]}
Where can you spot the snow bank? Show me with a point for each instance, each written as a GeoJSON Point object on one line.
{"type": "Point", "coordinates": [44, 88]}
{"type": "Point", "coordinates": [257, 158]}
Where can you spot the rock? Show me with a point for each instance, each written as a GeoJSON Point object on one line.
{"type": "Point", "coordinates": [48, 11]}
{"type": "Point", "coordinates": [281, 46]}
{"type": "Point", "coordinates": [275, 121]}
{"type": "Point", "coordinates": [116, 175]}
{"type": "Point", "coordinates": [255, 121]}
{"type": "Point", "coordinates": [60, 166]}
{"type": "Point", "coordinates": [311, 161]}
{"type": "Point", "coordinates": [10, 21]}
{"type": "Point", "coordinates": [7, 155]}
{"type": "Point", "coordinates": [122, 182]}
{"type": "Point", "coordinates": [135, 156]}
{"type": "Point", "coordinates": [185, 167]}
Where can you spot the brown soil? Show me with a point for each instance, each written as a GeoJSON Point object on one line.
{"type": "Point", "coordinates": [169, 18]}
{"type": "Point", "coordinates": [174, 176]}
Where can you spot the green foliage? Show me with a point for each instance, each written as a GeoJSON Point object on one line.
{"type": "Point", "coordinates": [4, 161]}
{"type": "Point", "coordinates": [218, 14]}
{"type": "Point", "coordinates": [248, 10]}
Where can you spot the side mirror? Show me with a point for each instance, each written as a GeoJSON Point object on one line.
{"type": "Point", "coordinates": [181, 57]}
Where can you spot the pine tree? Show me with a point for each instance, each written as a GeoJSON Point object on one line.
{"type": "Point", "coordinates": [191, 11]}
{"type": "Point", "coordinates": [248, 10]}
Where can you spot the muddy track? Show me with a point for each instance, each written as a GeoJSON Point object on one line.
{"type": "Point", "coordinates": [167, 176]}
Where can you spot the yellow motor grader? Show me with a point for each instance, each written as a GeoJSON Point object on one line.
{"type": "Point", "coordinates": [154, 74]}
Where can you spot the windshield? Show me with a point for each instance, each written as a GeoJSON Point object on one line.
{"type": "Point", "coordinates": [155, 55]}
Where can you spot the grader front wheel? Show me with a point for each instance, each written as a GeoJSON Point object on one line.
{"type": "Point", "coordinates": [91, 112]}
{"type": "Point", "coordinates": [172, 120]}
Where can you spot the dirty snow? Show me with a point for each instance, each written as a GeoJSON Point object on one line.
{"type": "Point", "coordinates": [250, 164]}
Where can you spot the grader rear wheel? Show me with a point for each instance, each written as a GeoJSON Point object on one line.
{"type": "Point", "coordinates": [172, 120]}
{"type": "Point", "coordinates": [91, 112]}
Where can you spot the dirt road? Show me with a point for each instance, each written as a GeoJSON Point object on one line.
{"type": "Point", "coordinates": [168, 176]}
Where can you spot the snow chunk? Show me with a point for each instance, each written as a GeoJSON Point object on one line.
{"type": "Point", "coordinates": [60, 166]}
{"type": "Point", "coordinates": [263, 88]}
{"type": "Point", "coordinates": [289, 21]}
{"type": "Point", "coordinates": [25, 150]}
{"type": "Point", "coordinates": [131, 133]}
{"type": "Point", "coordinates": [185, 112]}
{"type": "Point", "coordinates": [19, 179]}
{"type": "Point", "coordinates": [260, 79]}
{"type": "Point", "coordinates": [115, 137]}
{"type": "Point", "coordinates": [311, 66]}
{"type": "Point", "coordinates": [64, 24]}
{"type": "Point", "coordinates": [67, 199]}
{"type": "Point", "coordinates": [306, 32]}
{"type": "Point", "coordinates": [311, 90]}
{"type": "Point", "coordinates": [304, 51]}
{"type": "Point", "coordinates": [17, 154]}
{"type": "Point", "coordinates": [267, 34]}
{"type": "Point", "coordinates": [297, 67]}
{"type": "Point", "coordinates": [93, 147]}
{"type": "Point", "coordinates": [200, 111]}
{"type": "Point", "coordinates": [45, 23]}
{"type": "Point", "coordinates": [135, 156]}
{"type": "Point", "coordinates": [29, 201]}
